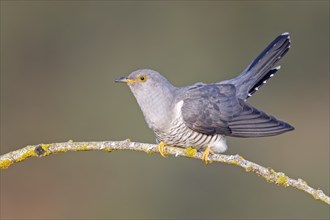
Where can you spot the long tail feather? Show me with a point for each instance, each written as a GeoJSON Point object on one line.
{"type": "Point", "coordinates": [262, 68]}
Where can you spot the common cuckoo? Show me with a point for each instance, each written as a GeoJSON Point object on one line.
{"type": "Point", "coordinates": [202, 115]}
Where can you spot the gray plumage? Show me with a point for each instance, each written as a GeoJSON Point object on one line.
{"type": "Point", "coordinates": [203, 115]}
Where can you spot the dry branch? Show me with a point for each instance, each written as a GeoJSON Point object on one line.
{"type": "Point", "coordinates": [269, 174]}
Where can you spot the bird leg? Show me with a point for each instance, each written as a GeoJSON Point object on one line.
{"type": "Point", "coordinates": [161, 150]}
{"type": "Point", "coordinates": [205, 156]}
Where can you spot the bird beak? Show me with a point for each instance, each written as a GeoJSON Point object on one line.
{"type": "Point", "coordinates": [124, 79]}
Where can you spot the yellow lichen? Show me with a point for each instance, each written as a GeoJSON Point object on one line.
{"type": "Point", "coordinates": [248, 169]}
{"type": "Point", "coordinates": [4, 164]}
{"type": "Point", "coordinates": [82, 148]}
{"type": "Point", "coordinates": [272, 171]}
{"type": "Point", "coordinates": [45, 148]}
{"type": "Point", "coordinates": [107, 150]}
{"type": "Point", "coordinates": [269, 180]}
{"type": "Point", "coordinates": [27, 154]}
{"type": "Point", "coordinates": [235, 162]}
{"type": "Point", "coordinates": [46, 153]}
{"type": "Point", "coordinates": [61, 150]}
{"type": "Point", "coordinates": [190, 152]}
{"type": "Point", "coordinates": [281, 179]}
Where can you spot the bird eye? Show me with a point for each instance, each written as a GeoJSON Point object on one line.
{"type": "Point", "coordinates": [142, 78]}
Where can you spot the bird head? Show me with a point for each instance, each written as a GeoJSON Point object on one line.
{"type": "Point", "coordinates": [153, 92]}
{"type": "Point", "coordinates": [146, 82]}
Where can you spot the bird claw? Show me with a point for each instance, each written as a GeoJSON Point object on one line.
{"type": "Point", "coordinates": [161, 149]}
{"type": "Point", "coordinates": [206, 153]}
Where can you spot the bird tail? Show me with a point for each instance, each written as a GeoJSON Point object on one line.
{"type": "Point", "coordinates": [254, 123]}
{"type": "Point", "coordinates": [262, 68]}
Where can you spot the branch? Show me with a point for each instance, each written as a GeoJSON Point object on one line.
{"type": "Point", "coordinates": [268, 174]}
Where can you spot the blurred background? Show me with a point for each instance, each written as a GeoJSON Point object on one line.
{"type": "Point", "coordinates": [58, 63]}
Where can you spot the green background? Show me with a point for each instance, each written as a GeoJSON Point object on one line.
{"type": "Point", "coordinates": [58, 63]}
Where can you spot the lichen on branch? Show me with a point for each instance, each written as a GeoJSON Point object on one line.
{"type": "Point", "coordinates": [270, 175]}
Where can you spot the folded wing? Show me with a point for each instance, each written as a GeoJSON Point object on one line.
{"type": "Point", "coordinates": [215, 109]}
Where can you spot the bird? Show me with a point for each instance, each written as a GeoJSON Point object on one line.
{"type": "Point", "coordinates": [201, 116]}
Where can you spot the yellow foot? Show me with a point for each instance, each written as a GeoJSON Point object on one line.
{"type": "Point", "coordinates": [205, 156]}
{"type": "Point", "coordinates": [161, 150]}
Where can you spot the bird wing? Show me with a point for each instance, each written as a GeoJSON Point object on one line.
{"type": "Point", "coordinates": [215, 109]}
{"type": "Point", "coordinates": [208, 108]}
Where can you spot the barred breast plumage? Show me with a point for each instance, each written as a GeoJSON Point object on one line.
{"type": "Point", "coordinates": [178, 134]}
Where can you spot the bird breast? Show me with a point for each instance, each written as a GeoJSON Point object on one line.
{"type": "Point", "coordinates": [156, 108]}
{"type": "Point", "coordinates": [178, 134]}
